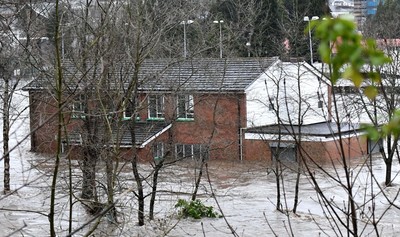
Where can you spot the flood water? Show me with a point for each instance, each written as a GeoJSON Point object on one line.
{"type": "Point", "coordinates": [245, 192]}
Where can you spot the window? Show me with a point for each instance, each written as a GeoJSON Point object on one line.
{"type": "Point", "coordinates": [156, 106]}
{"type": "Point", "coordinates": [271, 106]}
{"type": "Point", "coordinates": [79, 107]}
{"type": "Point", "coordinates": [193, 151]}
{"type": "Point", "coordinates": [132, 111]}
{"type": "Point", "coordinates": [285, 152]}
{"type": "Point", "coordinates": [128, 110]}
{"type": "Point", "coordinates": [320, 104]}
{"type": "Point", "coordinates": [185, 107]}
{"type": "Point", "coordinates": [158, 151]}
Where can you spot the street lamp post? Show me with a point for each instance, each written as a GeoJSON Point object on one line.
{"type": "Point", "coordinates": [248, 45]}
{"type": "Point", "coordinates": [184, 23]}
{"type": "Point", "coordinates": [220, 36]}
{"type": "Point", "coordinates": [306, 18]}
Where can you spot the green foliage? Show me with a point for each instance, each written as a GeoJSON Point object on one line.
{"type": "Point", "coordinates": [352, 54]}
{"type": "Point", "coordinates": [195, 209]}
{"type": "Point", "coordinates": [393, 126]}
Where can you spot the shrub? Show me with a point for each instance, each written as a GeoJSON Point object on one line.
{"type": "Point", "coordinates": [195, 209]}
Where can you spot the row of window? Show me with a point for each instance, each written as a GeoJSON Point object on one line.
{"type": "Point", "coordinates": [156, 107]}
{"type": "Point", "coordinates": [182, 151]}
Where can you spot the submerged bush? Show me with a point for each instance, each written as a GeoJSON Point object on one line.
{"type": "Point", "coordinates": [195, 209]}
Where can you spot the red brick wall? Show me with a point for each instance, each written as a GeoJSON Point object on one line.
{"type": "Point", "coordinates": [42, 122]}
{"type": "Point", "coordinates": [256, 150]}
{"type": "Point", "coordinates": [320, 152]}
{"type": "Point", "coordinates": [353, 147]}
{"type": "Point", "coordinates": [217, 122]}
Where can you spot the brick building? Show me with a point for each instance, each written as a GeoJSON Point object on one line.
{"type": "Point", "coordinates": [290, 112]}
{"type": "Point", "coordinates": [218, 108]}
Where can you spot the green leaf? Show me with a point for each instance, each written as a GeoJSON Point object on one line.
{"type": "Point", "coordinates": [378, 58]}
{"type": "Point", "coordinates": [375, 77]}
{"type": "Point", "coordinates": [325, 52]}
{"type": "Point", "coordinates": [371, 92]}
{"type": "Point", "coordinates": [371, 131]}
{"type": "Point", "coordinates": [354, 75]}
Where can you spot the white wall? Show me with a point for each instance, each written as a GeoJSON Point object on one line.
{"type": "Point", "coordinates": [280, 85]}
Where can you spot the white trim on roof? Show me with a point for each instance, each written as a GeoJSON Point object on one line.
{"type": "Point", "coordinates": [155, 136]}
{"type": "Point", "coordinates": [306, 138]}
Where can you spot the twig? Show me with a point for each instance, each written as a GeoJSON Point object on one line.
{"type": "Point", "coordinates": [102, 213]}
{"type": "Point", "coordinates": [17, 230]}
{"type": "Point", "coordinates": [269, 225]}
{"type": "Point", "coordinates": [202, 229]}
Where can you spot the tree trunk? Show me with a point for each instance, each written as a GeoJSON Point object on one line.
{"type": "Point", "coordinates": [60, 122]}
{"type": "Point", "coordinates": [197, 184]}
{"type": "Point", "coordinates": [140, 193]}
{"type": "Point", "coordinates": [388, 176]}
{"type": "Point", "coordinates": [6, 132]}
{"type": "Point", "coordinates": [278, 185]}
{"type": "Point", "coordinates": [89, 176]}
{"type": "Point", "coordinates": [388, 158]}
{"type": "Point", "coordinates": [110, 189]}
{"type": "Point", "coordinates": [297, 189]}
{"type": "Point", "coordinates": [154, 189]}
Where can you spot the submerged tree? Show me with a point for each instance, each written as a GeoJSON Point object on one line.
{"type": "Point", "coordinates": [15, 54]}
{"type": "Point", "coordinates": [352, 54]}
{"type": "Point", "coordinates": [9, 84]}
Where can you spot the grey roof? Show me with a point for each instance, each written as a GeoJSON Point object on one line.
{"type": "Point", "coordinates": [205, 74]}
{"type": "Point", "coordinates": [324, 129]}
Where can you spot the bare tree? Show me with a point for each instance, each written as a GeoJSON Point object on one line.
{"type": "Point", "coordinates": [15, 52]}
{"type": "Point", "coordinates": [10, 83]}
{"type": "Point", "coordinates": [382, 109]}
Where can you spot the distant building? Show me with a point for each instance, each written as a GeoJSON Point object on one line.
{"type": "Point", "coordinates": [359, 9]}
{"type": "Point", "coordinates": [372, 6]}
{"type": "Point", "coordinates": [341, 7]}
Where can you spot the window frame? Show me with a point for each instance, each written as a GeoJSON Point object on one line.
{"type": "Point", "coordinates": [192, 154]}
{"type": "Point", "coordinates": [320, 104]}
{"type": "Point", "coordinates": [159, 107]}
{"type": "Point", "coordinates": [186, 101]}
{"type": "Point", "coordinates": [271, 103]}
{"type": "Point", "coordinates": [79, 102]}
{"type": "Point", "coordinates": [158, 151]}
{"type": "Point", "coordinates": [131, 110]}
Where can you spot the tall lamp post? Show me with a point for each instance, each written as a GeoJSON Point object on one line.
{"type": "Point", "coordinates": [248, 45]}
{"type": "Point", "coordinates": [220, 36]}
{"type": "Point", "coordinates": [184, 23]}
{"type": "Point", "coordinates": [306, 18]}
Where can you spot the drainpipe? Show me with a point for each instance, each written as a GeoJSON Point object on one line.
{"type": "Point", "coordinates": [330, 94]}
{"type": "Point", "coordinates": [240, 126]}
{"type": "Point", "coordinates": [241, 143]}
